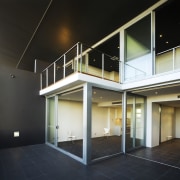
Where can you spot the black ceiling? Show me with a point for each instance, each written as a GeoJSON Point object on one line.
{"type": "Point", "coordinates": [23, 38]}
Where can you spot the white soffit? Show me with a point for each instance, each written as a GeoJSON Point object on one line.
{"type": "Point", "coordinates": [155, 81]}
{"type": "Point", "coordinates": [77, 79]}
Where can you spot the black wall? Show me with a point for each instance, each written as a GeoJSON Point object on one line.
{"type": "Point", "coordinates": [21, 108]}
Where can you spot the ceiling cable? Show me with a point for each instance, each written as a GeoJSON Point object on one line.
{"type": "Point", "coordinates": [33, 34]}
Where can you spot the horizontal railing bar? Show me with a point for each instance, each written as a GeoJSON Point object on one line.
{"type": "Point", "coordinates": [61, 56]}
{"type": "Point", "coordinates": [73, 55]}
{"type": "Point", "coordinates": [168, 50]}
{"type": "Point", "coordinates": [95, 49]}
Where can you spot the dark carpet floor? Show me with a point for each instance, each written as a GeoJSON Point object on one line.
{"type": "Point", "coordinates": [101, 146]}
{"type": "Point", "coordinates": [167, 152]}
{"type": "Point", "coordinates": [41, 162]}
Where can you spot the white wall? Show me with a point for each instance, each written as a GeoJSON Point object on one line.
{"type": "Point", "coordinates": [152, 116]}
{"type": "Point", "coordinates": [70, 119]}
{"type": "Point", "coordinates": [155, 125]}
{"type": "Point", "coordinates": [164, 62]}
{"type": "Point", "coordinates": [135, 68]}
{"type": "Point", "coordinates": [177, 123]}
{"type": "Point", "coordinates": [99, 120]}
{"type": "Point", "coordinates": [167, 122]}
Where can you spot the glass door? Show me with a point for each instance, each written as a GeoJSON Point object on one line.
{"type": "Point", "coordinates": [50, 121]}
{"type": "Point", "coordinates": [135, 122]}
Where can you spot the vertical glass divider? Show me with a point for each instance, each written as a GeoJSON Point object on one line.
{"type": "Point", "coordinates": [134, 122]}
{"type": "Point", "coordinates": [41, 80]}
{"type": "Point", "coordinates": [54, 72]}
{"type": "Point", "coordinates": [173, 59]}
{"type": "Point", "coordinates": [124, 115]}
{"type": "Point", "coordinates": [47, 77]}
{"type": "Point", "coordinates": [81, 57]}
{"type": "Point", "coordinates": [56, 121]}
{"type": "Point", "coordinates": [153, 50]}
{"type": "Point", "coordinates": [121, 55]}
{"type": "Point", "coordinates": [77, 57]}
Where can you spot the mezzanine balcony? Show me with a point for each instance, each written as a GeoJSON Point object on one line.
{"type": "Point", "coordinates": [92, 62]}
{"type": "Point", "coordinates": [82, 59]}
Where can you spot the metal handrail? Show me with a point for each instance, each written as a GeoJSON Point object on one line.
{"type": "Point", "coordinates": [61, 56]}
{"type": "Point", "coordinates": [168, 50]}
{"type": "Point", "coordinates": [78, 57]}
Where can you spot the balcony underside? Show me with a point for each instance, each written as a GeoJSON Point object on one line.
{"type": "Point", "coordinates": [78, 79]}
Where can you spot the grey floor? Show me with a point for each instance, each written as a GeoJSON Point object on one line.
{"type": "Point", "coordinates": [166, 153]}
{"type": "Point", "coordinates": [40, 162]}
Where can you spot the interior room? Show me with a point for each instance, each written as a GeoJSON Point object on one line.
{"type": "Point", "coordinates": [106, 122]}
{"type": "Point", "coordinates": [166, 119]}
{"type": "Point", "coordinates": [163, 120]}
{"type": "Point", "coordinates": [122, 115]}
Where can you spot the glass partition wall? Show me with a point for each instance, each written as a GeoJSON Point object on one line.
{"type": "Point", "coordinates": [106, 123]}
{"type": "Point", "coordinates": [135, 122]}
{"type": "Point", "coordinates": [50, 120]}
{"type": "Point", "coordinates": [70, 121]}
{"type": "Point", "coordinates": [67, 124]}
{"type": "Point", "coordinates": [138, 54]}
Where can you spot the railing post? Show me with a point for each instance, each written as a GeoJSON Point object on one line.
{"type": "Point", "coordinates": [54, 73]}
{"type": "Point", "coordinates": [81, 48]}
{"type": "Point", "coordinates": [173, 59]}
{"type": "Point", "coordinates": [77, 57]}
{"type": "Point", "coordinates": [41, 80]}
{"type": "Point", "coordinates": [47, 77]}
{"type": "Point", "coordinates": [64, 68]}
{"type": "Point", "coordinates": [102, 65]}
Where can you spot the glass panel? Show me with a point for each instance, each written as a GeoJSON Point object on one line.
{"type": "Point", "coordinates": [60, 69]}
{"type": "Point", "coordinates": [51, 120]}
{"type": "Point", "coordinates": [135, 122]}
{"type": "Point", "coordinates": [164, 62]}
{"type": "Point", "coordinates": [103, 61]}
{"type": "Point", "coordinates": [166, 37]}
{"type": "Point", "coordinates": [106, 123]}
{"type": "Point", "coordinates": [177, 58]}
{"type": "Point", "coordinates": [70, 121]}
{"type": "Point", "coordinates": [129, 123]}
{"type": "Point", "coordinates": [43, 79]}
{"type": "Point", "coordinates": [51, 75]}
{"type": "Point", "coordinates": [71, 61]}
{"type": "Point", "coordinates": [138, 49]}
{"type": "Point", "coordinates": [139, 116]}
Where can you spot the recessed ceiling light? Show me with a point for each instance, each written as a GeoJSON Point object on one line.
{"type": "Point", "coordinates": [167, 42]}
{"type": "Point", "coordinates": [160, 35]}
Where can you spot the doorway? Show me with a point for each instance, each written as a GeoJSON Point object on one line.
{"type": "Point", "coordinates": [165, 121]}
